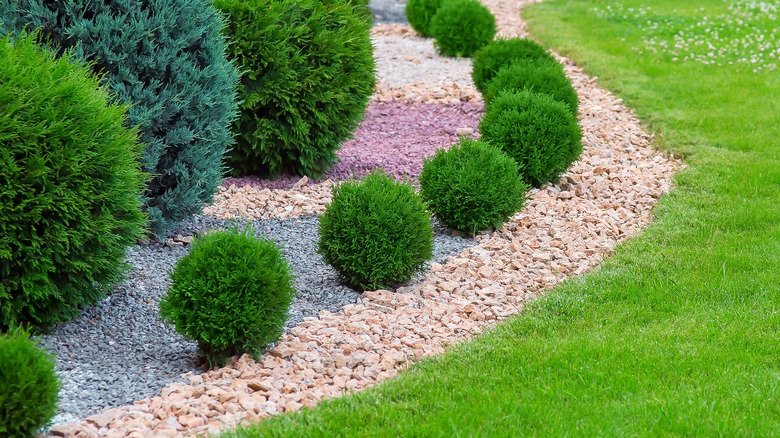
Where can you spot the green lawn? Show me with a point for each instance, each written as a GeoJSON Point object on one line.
{"type": "Point", "coordinates": [678, 333]}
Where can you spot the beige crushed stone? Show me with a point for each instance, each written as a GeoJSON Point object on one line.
{"type": "Point", "coordinates": [408, 68]}
{"type": "Point", "coordinates": [564, 230]}
{"type": "Point", "coordinates": [393, 29]}
{"type": "Point", "coordinates": [251, 202]}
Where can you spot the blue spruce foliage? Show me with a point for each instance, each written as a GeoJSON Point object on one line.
{"type": "Point", "coordinates": [166, 58]}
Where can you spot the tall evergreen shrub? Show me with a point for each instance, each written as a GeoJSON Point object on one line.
{"type": "Point", "coordinates": [308, 73]}
{"type": "Point", "coordinates": [165, 58]}
{"type": "Point", "coordinates": [70, 186]}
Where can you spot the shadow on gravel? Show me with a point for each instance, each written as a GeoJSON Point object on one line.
{"type": "Point", "coordinates": [119, 351]}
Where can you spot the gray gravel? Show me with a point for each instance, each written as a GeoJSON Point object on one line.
{"type": "Point", "coordinates": [388, 11]}
{"type": "Point", "coordinates": [119, 351]}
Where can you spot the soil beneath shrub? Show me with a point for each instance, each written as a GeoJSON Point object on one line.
{"type": "Point", "coordinates": [394, 136]}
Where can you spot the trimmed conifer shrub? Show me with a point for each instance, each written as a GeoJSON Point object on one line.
{"type": "Point", "coordinates": [231, 294]}
{"type": "Point", "coordinates": [419, 14]}
{"type": "Point", "coordinates": [493, 56]}
{"type": "Point", "coordinates": [167, 60]}
{"type": "Point", "coordinates": [71, 186]}
{"type": "Point", "coordinates": [28, 399]}
{"type": "Point", "coordinates": [308, 73]}
{"type": "Point", "coordinates": [472, 186]}
{"type": "Point", "coordinates": [536, 75]}
{"type": "Point", "coordinates": [539, 132]}
{"type": "Point", "coordinates": [376, 232]}
{"type": "Point", "coordinates": [461, 27]}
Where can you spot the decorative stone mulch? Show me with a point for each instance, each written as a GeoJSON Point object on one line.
{"type": "Point", "coordinates": [394, 136]}
{"type": "Point", "coordinates": [565, 230]}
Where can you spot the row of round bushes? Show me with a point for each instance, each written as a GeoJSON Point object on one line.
{"type": "Point", "coordinates": [123, 125]}
{"type": "Point", "coordinates": [376, 232]}
{"type": "Point", "coordinates": [530, 108]}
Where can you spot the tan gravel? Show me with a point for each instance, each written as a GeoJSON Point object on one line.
{"type": "Point", "coordinates": [408, 68]}
{"type": "Point", "coordinates": [565, 230]}
{"type": "Point", "coordinates": [251, 202]}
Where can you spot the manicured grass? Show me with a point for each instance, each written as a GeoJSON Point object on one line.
{"type": "Point", "coordinates": [678, 333]}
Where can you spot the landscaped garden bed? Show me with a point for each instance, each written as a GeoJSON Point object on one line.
{"type": "Point", "coordinates": [119, 352]}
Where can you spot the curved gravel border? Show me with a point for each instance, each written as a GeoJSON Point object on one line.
{"type": "Point", "coordinates": [565, 230]}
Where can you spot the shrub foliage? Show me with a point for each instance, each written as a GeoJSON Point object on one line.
{"type": "Point", "coordinates": [461, 27]}
{"type": "Point", "coordinates": [419, 14]}
{"type": "Point", "coordinates": [540, 133]}
{"type": "Point", "coordinates": [167, 60]}
{"type": "Point", "coordinates": [472, 186]}
{"type": "Point", "coordinates": [231, 294]}
{"type": "Point", "coordinates": [28, 400]}
{"type": "Point", "coordinates": [308, 72]}
{"type": "Point", "coordinates": [493, 56]}
{"type": "Point", "coordinates": [376, 232]}
{"type": "Point", "coordinates": [71, 186]}
{"type": "Point", "coordinates": [539, 76]}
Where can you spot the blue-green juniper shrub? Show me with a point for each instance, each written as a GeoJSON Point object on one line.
{"type": "Point", "coordinates": [166, 59]}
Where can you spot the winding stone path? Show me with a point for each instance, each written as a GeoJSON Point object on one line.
{"type": "Point", "coordinates": [564, 230]}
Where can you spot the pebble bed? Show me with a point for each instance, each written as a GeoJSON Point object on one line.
{"type": "Point", "coordinates": [394, 136]}
{"type": "Point", "coordinates": [565, 229]}
{"type": "Point", "coordinates": [119, 351]}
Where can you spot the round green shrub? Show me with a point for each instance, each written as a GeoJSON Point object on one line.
{"type": "Point", "coordinates": [540, 133]}
{"type": "Point", "coordinates": [71, 186]}
{"type": "Point", "coordinates": [472, 186]}
{"type": "Point", "coordinates": [231, 294]}
{"type": "Point", "coordinates": [493, 56]}
{"type": "Point", "coordinates": [461, 27]}
{"type": "Point", "coordinates": [539, 76]}
{"type": "Point", "coordinates": [419, 14]}
{"type": "Point", "coordinates": [28, 399]}
{"type": "Point", "coordinates": [376, 232]}
{"type": "Point", "coordinates": [308, 73]}
{"type": "Point", "coordinates": [166, 59]}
